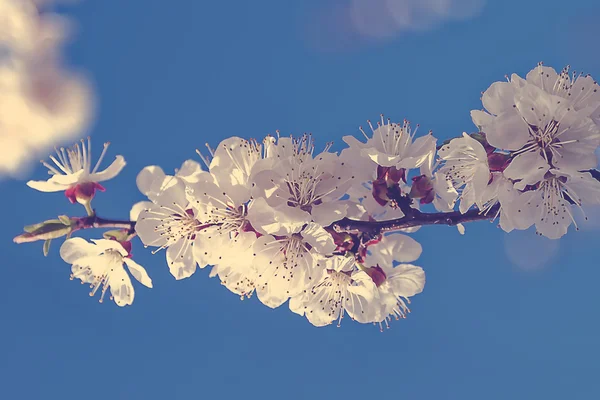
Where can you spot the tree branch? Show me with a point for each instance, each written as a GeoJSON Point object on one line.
{"type": "Point", "coordinates": [95, 221]}
{"type": "Point", "coordinates": [416, 219]}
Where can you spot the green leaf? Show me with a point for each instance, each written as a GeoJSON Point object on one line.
{"type": "Point", "coordinates": [65, 220]}
{"type": "Point", "coordinates": [46, 247]}
{"type": "Point", "coordinates": [33, 227]}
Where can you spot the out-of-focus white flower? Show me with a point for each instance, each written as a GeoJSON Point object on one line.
{"type": "Point", "coordinates": [72, 172]}
{"type": "Point", "coordinates": [42, 102]}
{"type": "Point", "coordinates": [101, 264]}
{"type": "Point", "coordinates": [343, 289]}
{"type": "Point", "coordinates": [466, 165]}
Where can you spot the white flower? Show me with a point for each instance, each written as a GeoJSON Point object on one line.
{"type": "Point", "coordinates": [72, 172]}
{"type": "Point", "coordinates": [549, 204]}
{"type": "Point", "coordinates": [466, 165]}
{"type": "Point", "coordinates": [545, 119]}
{"type": "Point", "coordinates": [152, 180]}
{"type": "Point", "coordinates": [288, 264]}
{"type": "Point", "coordinates": [395, 285]}
{"type": "Point", "coordinates": [294, 181]}
{"type": "Point", "coordinates": [343, 288]}
{"type": "Point", "coordinates": [101, 264]}
{"type": "Point", "coordinates": [512, 214]}
{"type": "Point", "coordinates": [392, 145]}
{"type": "Point", "coordinates": [171, 223]}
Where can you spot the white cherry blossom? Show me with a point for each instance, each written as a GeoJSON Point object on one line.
{"type": "Point", "coordinates": [290, 179]}
{"type": "Point", "coordinates": [395, 284]}
{"type": "Point", "coordinates": [234, 269]}
{"type": "Point", "coordinates": [71, 171]}
{"type": "Point", "coordinates": [550, 202]}
{"type": "Point", "coordinates": [545, 118]}
{"type": "Point", "coordinates": [343, 289]}
{"type": "Point", "coordinates": [466, 165]}
{"type": "Point", "coordinates": [101, 265]}
{"type": "Point", "coordinates": [171, 223]}
{"type": "Point", "coordinates": [393, 145]}
{"type": "Point", "coordinates": [289, 263]}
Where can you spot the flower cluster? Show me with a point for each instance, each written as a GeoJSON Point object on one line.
{"type": "Point", "coordinates": [530, 162]}
{"type": "Point", "coordinates": [263, 217]}
{"type": "Point", "coordinates": [328, 232]}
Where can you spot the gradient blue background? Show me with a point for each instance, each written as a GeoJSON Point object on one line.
{"type": "Point", "coordinates": [171, 76]}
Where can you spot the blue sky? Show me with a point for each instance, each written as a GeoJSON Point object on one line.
{"type": "Point", "coordinates": [171, 76]}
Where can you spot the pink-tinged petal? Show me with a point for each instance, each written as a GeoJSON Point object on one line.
{"type": "Point", "coordinates": [508, 131]}
{"type": "Point", "coordinates": [113, 170]}
{"type": "Point", "coordinates": [498, 98]}
{"type": "Point", "coordinates": [529, 168]}
{"type": "Point", "coordinates": [138, 272]}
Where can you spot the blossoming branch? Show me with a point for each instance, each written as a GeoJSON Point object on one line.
{"type": "Point", "coordinates": [330, 233]}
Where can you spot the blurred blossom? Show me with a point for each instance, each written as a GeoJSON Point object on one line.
{"type": "Point", "coordinates": [340, 25]}
{"type": "Point", "coordinates": [42, 102]}
{"type": "Point", "coordinates": [528, 251]}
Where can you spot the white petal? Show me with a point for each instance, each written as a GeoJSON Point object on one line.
{"type": "Point", "coordinates": [481, 119]}
{"type": "Point", "coordinates": [394, 247]}
{"type": "Point", "coordinates": [106, 245]}
{"type": "Point", "coordinates": [137, 208]}
{"type": "Point", "coordinates": [76, 248]}
{"type": "Point", "coordinates": [113, 170]}
{"type": "Point", "coordinates": [121, 288]}
{"type": "Point", "coordinates": [326, 213]}
{"type": "Point", "coordinates": [318, 238]}
{"type": "Point", "coordinates": [138, 272]}
{"type": "Point", "coordinates": [180, 259]}
{"type": "Point", "coordinates": [47, 186]}
{"type": "Point", "coordinates": [508, 131]}
{"type": "Point", "coordinates": [407, 280]}
{"type": "Point", "coordinates": [529, 168]}
{"type": "Point", "coordinates": [148, 177]}
{"type": "Point", "coordinates": [498, 98]}
{"type": "Point", "coordinates": [543, 77]}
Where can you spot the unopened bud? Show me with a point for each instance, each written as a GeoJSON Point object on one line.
{"type": "Point", "coordinates": [44, 231]}
{"type": "Point", "coordinates": [422, 188]}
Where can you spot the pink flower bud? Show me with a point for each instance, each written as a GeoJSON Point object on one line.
{"type": "Point", "coordinates": [422, 188]}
